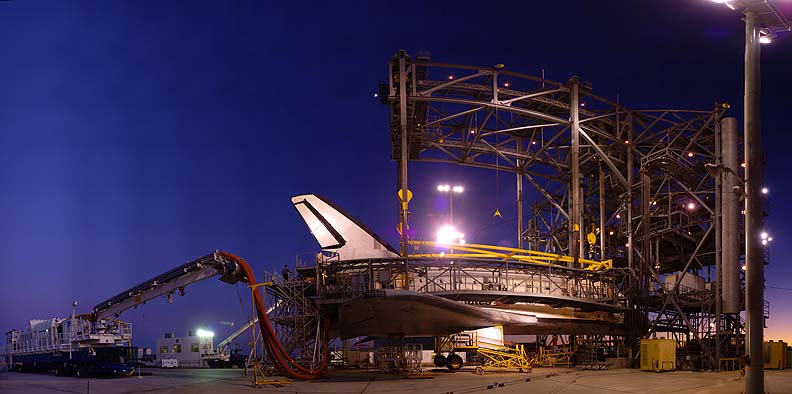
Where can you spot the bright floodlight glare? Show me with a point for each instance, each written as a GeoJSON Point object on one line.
{"type": "Point", "coordinates": [769, 239]}
{"type": "Point", "coordinates": [204, 334]}
{"type": "Point", "coordinates": [764, 190]}
{"type": "Point", "coordinates": [765, 39]}
{"type": "Point", "coordinates": [691, 206]}
{"type": "Point", "coordinates": [763, 235]}
{"type": "Point", "coordinates": [719, 1]}
{"type": "Point", "coordinates": [448, 234]}
{"type": "Point", "coordinates": [764, 242]}
{"type": "Point", "coordinates": [443, 188]}
{"type": "Point", "coordinates": [458, 189]}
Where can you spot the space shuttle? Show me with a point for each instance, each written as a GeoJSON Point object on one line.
{"type": "Point", "coordinates": [375, 310]}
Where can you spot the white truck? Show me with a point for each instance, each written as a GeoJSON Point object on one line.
{"type": "Point", "coordinates": [170, 363]}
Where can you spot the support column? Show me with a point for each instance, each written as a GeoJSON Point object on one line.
{"type": "Point", "coordinates": [730, 207]}
{"type": "Point", "coordinates": [519, 199]}
{"type": "Point", "coordinates": [636, 290]}
{"type": "Point", "coordinates": [716, 218]}
{"type": "Point", "coordinates": [646, 217]}
{"type": "Point", "coordinates": [602, 211]}
{"type": "Point", "coordinates": [575, 246]}
{"type": "Point", "coordinates": [754, 259]}
{"type": "Point", "coordinates": [630, 170]}
{"type": "Point", "coordinates": [403, 160]}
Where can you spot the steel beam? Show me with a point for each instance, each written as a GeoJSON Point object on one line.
{"type": "Point", "coordinates": [576, 207]}
{"type": "Point", "coordinates": [519, 207]}
{"type": "Point", "coordinates": [403, 160]}
{"type": "Point", "coordinates": [717, 218]}
{"type": "Point", "coordinates": [602, 212]}
{"type": "Point", "coordinates": [428, 92]}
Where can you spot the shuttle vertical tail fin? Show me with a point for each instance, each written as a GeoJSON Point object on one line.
{"type": "Point", "coordinates": [337, 231]}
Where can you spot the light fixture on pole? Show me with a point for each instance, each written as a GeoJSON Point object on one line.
{"type": "Point", "coordinates": [451, 190]}
{"type": "Point", "coordinates": [766, 37]}
{"type": "Point", "coordinates": [761, 17]}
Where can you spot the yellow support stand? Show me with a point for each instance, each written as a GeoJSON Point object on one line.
{"type": "Point", "coordinates": [551, 359]}
{"type": "Point", "coordinates": [510, 358]}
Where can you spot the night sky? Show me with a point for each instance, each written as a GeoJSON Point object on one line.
{"type": "Point", "coordinates": [136, 135]}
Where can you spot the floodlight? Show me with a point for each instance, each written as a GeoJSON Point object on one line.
{"type": "Point", "coordinates": [448, 234]}
{"type": "Point", "coordinates": [204, 333]}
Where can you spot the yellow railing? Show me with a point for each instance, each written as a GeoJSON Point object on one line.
{"type": "Point", "coordinates": [478, 251]}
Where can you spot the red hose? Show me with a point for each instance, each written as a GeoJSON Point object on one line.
{"type": "Point", "coordinates": [277, 353]}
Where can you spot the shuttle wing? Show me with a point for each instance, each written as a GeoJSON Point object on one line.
{"type": "Point", "coordinates": [337, 231]}
{"type": "Point", "coordinates": [408, 313]}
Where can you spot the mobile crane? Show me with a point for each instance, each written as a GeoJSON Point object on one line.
{"type": "Point", "coordinates": [223, 356]}
{"type": "Point", "coordinates": [93, 343]}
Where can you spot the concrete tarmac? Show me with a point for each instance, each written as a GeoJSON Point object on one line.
{"type": "Point", "coordinates": [541, 380]}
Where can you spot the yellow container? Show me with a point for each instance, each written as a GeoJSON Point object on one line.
{"type": "Point", "coordinates": [775, 355]}
{"type": "Point", "coordinates": [658, 355]}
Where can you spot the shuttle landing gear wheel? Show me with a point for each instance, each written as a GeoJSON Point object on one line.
{"type": "Point", "coordinates": [440, 361]}
{"type": "Point", "coordinates": [454, 362]}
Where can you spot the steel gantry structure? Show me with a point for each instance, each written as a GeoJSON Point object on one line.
{"type": "Point", "coordinates": [650, 183]}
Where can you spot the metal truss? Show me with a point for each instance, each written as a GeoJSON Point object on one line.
{"type": "Point", "coordinates": [483, 280]}
{"type": "Point", "coordinates": [292, 308]}
{"type": "Point", "coordinates": [637, 179]}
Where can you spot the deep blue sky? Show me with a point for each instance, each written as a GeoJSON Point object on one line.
{"type": "Point", "coordinates": [135, 135]}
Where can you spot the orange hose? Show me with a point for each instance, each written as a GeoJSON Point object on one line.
{"type": "Point", "coordinates": [277, 353]}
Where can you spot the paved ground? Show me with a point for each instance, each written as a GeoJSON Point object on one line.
{"type": "Point", "coordinates": [550, 381]}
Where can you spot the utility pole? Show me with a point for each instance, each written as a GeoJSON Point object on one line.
{"type": "Point", "coordinates": [762, 20]}
{"type": "Point", "coordinates": [754, 256]}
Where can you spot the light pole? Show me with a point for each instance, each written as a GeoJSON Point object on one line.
{"type": "Point", "coordinates": [451, 190]}
{"type": "Point", "coordinates": [762, 21]}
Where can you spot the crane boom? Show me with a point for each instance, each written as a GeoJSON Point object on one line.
{"type": "Point", "coordinates": [225, 342]}
{"type": "Point", "coordinates": [167, 283]}
{"type": "Point", "coordinates": [231, 269]}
